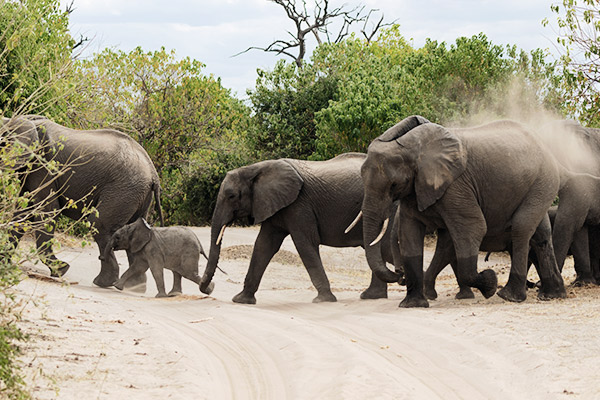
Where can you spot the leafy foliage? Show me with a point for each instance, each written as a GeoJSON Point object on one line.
{"type": "Point", "coordinates": [35, 58]}
{"type": "Point", "coordinates": [578, 37]}
{"type": "Point", "coordinates": [169, 107]}
{"type": "Point", "coordinates": [285, 102]}
{"type": "Point", "coordinates": [371, 85]}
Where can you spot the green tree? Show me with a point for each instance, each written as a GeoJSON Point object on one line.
{"type": "Point", "coordinates": [35, 66]}
{"type": "Point", "coordinates": [285, 102]}
{"type": "Point", "coordinates": [579, 41]}
{"type": "Point", "coordinates": [383, 81]}
{"type": "Point", "coordinates": [35, 60]}
{"type": "Point", "coordinates": [174, 111]}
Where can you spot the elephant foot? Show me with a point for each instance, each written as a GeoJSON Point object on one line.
{"type": "Point", "coordinates": [583, 281]}
{"type": "Point", "coordinates": [558, 293]}
{"type": "Point", "coordinates": [325, 298]}
{"type": "Point", "coordinates": [431, 293]}
{"type": "Point", "coordinates": [488, 283]}
{"type": "Point", "coordinates": [509, 294]}
{"type": "Point", "coordinates": [414, 301]}
{"type": "Point", "coordinates": [174, 293]}
{"type": "Point", "coordinates": [105, 281]}
{"type": "Point", "coordinates": [208, 289]}
{"type": "Point", "coordinates": [160, 295]}
{"type": "Point", "coordinates": [59, 271]}
{"type": "Point", "coordinates": [465, 293]}
{"type": "Point", "coordinates": [371, 293]}
{"type": "Point", "coordinates": [244, 298]}
{"type": "Point", "coordinates": [118, 284]}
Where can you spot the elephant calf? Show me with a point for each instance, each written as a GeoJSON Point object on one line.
{"type": "Point", "coordinates": [176, 248]}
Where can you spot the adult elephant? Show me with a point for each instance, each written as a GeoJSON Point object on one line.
{"type": "Point", "coordinates": [577, 223]}
{"type": "Point", "coordinates": [312, 201]}
{"type": "Point", "coordinates": [474, 183]}
{"type": "Point", "coordinates": [105, 168]}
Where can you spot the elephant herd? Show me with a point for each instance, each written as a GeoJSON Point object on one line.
{"type": "Point", "coordinates": [485, 188]}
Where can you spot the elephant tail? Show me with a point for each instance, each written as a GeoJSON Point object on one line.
{"type": "Point", "coordinates": [156, 190]}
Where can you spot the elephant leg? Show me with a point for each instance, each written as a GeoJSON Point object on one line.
{"type": "Point", "coordinates": [552, 285]}
{"type": "Point", "coordinates": [176, 284]}
{"type": "Point", "coordinates": [267, 244]}
{"type": "Point", "coordinates": [594, 245]}
{"type": "Point", "coordinates": [444, 255]}
{"type": "Point", "coordinates": [377, 289]}
{"type": "Point", "coordinates": [581, 257]}
{"type": "Point", "coordinates": [109, 268]}
{"type": "Point", "coordinates": [43, 242]}
{"type": "Point", "coordinates": [159, 278]}
{"type": "Point", "coordinates": [467, 227]}
{"type": "Point", "coordinates": [412, 236]}
{"type": "Point", "coordinates": [308, 250]}
{"type": "Point", "coordinates": [137, 267]}
{"type": "Point", "coordinates": [567, 223]}
{"type": "Point", "coordinates": [464, 291]}
{"type": "Point", "coordinates": [136, 282]}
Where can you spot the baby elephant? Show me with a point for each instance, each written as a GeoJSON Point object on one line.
{"type": "Point", "coordinates": [176, 248]}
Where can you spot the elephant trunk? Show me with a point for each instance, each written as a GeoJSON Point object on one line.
{"type": "Point", "coordinates": [373, 227]}
{"type": "Point", "coordinates": [216, 235]}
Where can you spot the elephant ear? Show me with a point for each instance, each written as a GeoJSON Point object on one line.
{"type": "Point", "coordinates": [276, 185]}
{"type": "Point", "coordinates": [441, 159]}
{"type": "Point", "coordinates": [141, 235]}
{"type": "Point", "coordinates": [19, 131]}
{"type": "Point", "coordinates": [402, 127]}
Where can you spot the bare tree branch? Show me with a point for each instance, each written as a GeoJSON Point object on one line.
{"type": "Point", "coordinates": [318, 23]}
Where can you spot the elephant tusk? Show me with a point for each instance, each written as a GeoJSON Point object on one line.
{"type": "Point", "coordinates": [221, 235]}
{"type": "Point", "coordinates": [383, 229]}
{"type": "Point", "coordinates": [353, 224]}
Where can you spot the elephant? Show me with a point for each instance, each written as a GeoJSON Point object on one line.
{"type": "Point", "coordinates": [475, 183]}
{"type": "Point", "coordinates": [105, 169]}
{"type": "Point", "coordinates": [444, 255]}
{"type": "Point", "coordinates": [313, 201]}
{"type": "Point", "coordinates": [175, 248]}
{"type": "Point", "coordinates": [578, 214]}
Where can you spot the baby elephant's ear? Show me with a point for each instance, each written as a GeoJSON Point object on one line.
{"type": "Point", "coordinates": [140, 236]}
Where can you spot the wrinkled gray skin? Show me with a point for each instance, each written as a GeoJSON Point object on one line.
{"type": "Point", "coordinates": [475, 183]}
{"type": "Point", "coordinates": [444, 255]}
{"type": "Point", "coordinates": [110, 165]}
{"type": "Point", "coordinates": [175, 248]}
{"type": "Point", "coordinates": [313, 201]}
{"type": "Point", "coordinates": [578, 215]}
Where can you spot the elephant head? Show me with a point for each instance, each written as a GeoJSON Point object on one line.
{"type": "Point", "coordinates": [255, 191]}
{"type": "Point", "coordinates": [132, 237]}
{"type": "Point", "coordinates": [21, 132]}
{"type": "Point", "coordinates": [413, 158]}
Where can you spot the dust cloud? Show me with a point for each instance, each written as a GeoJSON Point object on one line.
{"type": "Point", "coordinates": [569, 142]}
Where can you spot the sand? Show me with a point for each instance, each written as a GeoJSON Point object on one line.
{"type": "Point", "coordinates": [93, 343]}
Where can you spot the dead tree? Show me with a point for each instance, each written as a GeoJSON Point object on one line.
{"type": "Point", "coordinates": [318, 25]}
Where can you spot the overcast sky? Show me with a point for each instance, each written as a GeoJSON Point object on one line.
{"type": "Point", "coordinates": [212, 31]}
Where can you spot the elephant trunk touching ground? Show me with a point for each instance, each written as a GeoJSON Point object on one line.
{"type": "Point", "coordinates": [216, 236]}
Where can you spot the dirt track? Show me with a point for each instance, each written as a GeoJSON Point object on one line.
{"type": "Point", "coordinates": [102, 344]}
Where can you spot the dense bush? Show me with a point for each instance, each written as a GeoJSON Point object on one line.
{"type": "Point", "coordinates": [373, 85]}
{"type": "Point", "coordinates": [284, 103]}
{"type": "Point", "coordinates": [35, 66]}
{"type": "Point", "coordinates": [177, 114]}
{"type": "Point", "coordinates": [35, 57]}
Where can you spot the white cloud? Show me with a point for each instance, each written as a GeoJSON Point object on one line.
{"type": "Point", "coordinates": [212, 31]}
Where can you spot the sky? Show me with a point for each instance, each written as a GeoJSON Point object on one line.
{"type": "Point", "coordinates": [214, 31]}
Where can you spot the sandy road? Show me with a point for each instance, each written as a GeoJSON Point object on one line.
{"type": "Point", "coordinates": [100, 343]}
